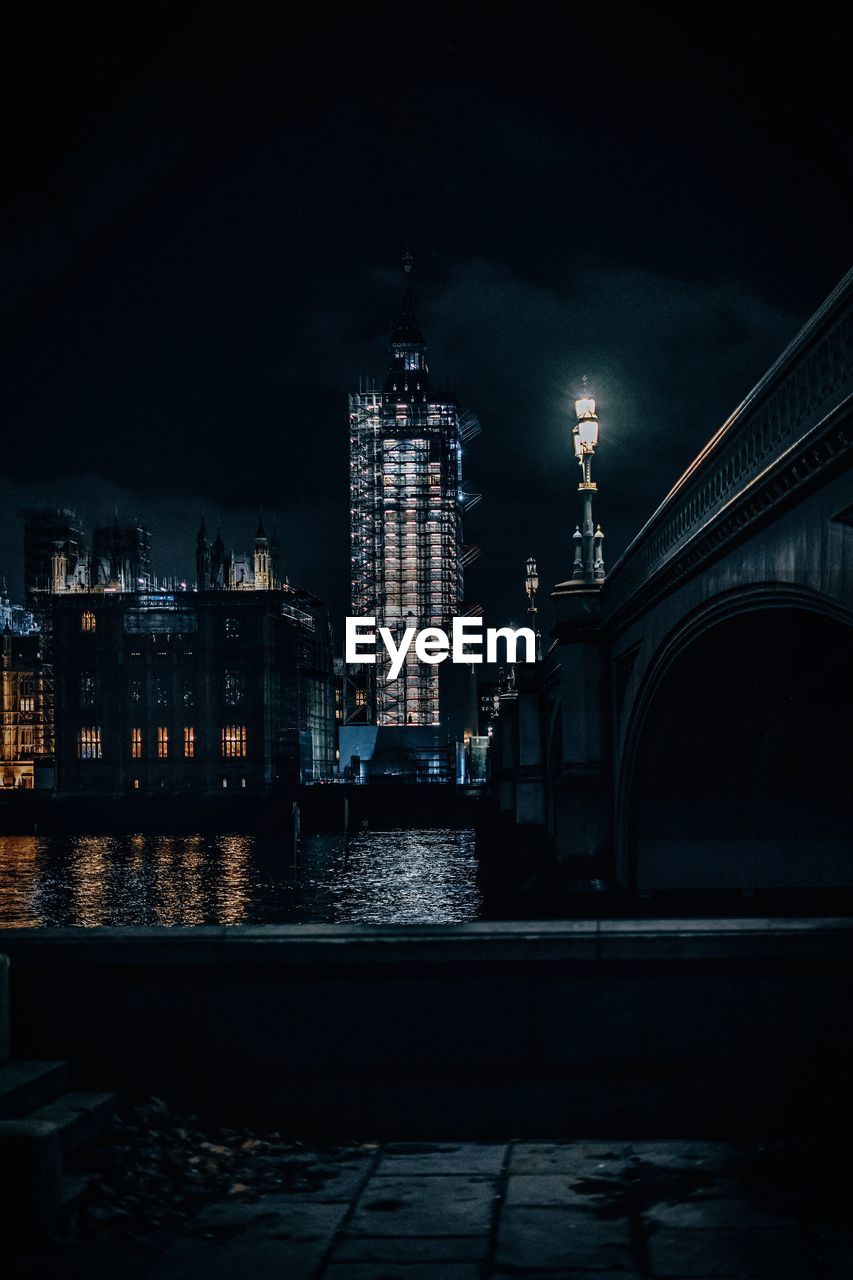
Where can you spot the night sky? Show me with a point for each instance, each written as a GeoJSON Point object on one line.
{"type": "Point", "coordinates": [201, 236]}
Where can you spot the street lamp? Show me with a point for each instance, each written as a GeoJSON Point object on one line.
{"type": "Point", "coordinates": [589, 549]}
{"type": "Point", "coordinates": [531, 586]}
{"type": "Point", "coordinates": [531, 583]}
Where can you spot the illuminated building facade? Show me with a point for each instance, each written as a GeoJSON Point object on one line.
{"type": "Point", "coordinates": [406, 506]}
{"type": "Point", "coordinates": [22, 717]}
{"type": "Point", "coordinates": [16, 618]}
{"type": "Point", "coordinates": [191, 692]}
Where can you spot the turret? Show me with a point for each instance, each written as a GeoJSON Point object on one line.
{"type": "Point", "coordinates": [407, 371]}
{"type": "Point", "coordinates": [202, 558]}
{"type": "Point", "coordinates": [218, 580]}
{"type": "Point", "coordinates": [58, 568]}
{"type": "Point", "coordinates": [262, 578]}
{"type": "Point", "coordinates": [275, 559]}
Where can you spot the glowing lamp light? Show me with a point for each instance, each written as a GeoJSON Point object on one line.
{"type": "Point", "coordinates": [585, 430]}
{"type": "Point", "coordinates": [588, 434]}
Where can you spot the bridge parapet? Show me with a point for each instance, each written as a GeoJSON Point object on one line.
{"type": "Point", "coordinates": [795, 422]}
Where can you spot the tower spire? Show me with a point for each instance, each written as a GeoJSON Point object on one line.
{"type": "Point", "coordinates": [407, 371]}
{"type": "Point", "coordinates": [262, 579]}
{"type": "Point", "coordinates": [202, 558]}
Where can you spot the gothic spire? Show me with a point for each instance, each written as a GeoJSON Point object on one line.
{"type": "Point", "coordinates": [202, 558]}
{"type": "Point", "coordinates": [407, 371]}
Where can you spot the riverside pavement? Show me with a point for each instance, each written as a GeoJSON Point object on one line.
{"type": "Point", "coordinates": [580, 1210]}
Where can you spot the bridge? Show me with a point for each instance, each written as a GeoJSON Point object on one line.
{"type": "Point", "coordinates": [691, 725]}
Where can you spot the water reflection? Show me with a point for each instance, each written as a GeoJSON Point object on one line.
{"type": "Point", "coordinates": [377, 877]}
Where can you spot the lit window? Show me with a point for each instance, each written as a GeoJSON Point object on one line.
{"type": "Point", "coordinates": [234, 740]}
{"type": "Point", "coordinates": [89, 743]}
{"type": "Point", "coordinates": [412, 360]}
{"type": "Point", "coordinates": [136, 743]}
{"type": "Point", "coordinates": [189, 741]}
{"type": "Point", "coordinates": [361, 698]}
{"type": "Point", "coordinates": [224, 782]}
{"type": "Point", "coordinates": [234, 685]}
{"type": "Point", "coordinates": [232, 628]}
{"type": "Point", "coordinates": [162, 741]}
{"type": "Point", "coordinates": [27, 704]}
{"type": "Point", "coordinates": [136, 784]}
{"type": "Point", "coordinates": [87, 621]}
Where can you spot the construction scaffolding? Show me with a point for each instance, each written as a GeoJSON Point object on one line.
{"type": "Point", "coordinates": [406, 518]}
{"type": "Point", "coordinates": [26, 709]}
{"type": "Point", "coordinates": [406, 511]}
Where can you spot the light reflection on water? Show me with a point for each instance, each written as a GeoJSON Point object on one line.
{"type": "Point", "coordinates": [415, 876]}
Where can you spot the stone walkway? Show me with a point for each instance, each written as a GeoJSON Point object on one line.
{"type": "Point", "coordinates": [471, 1211]}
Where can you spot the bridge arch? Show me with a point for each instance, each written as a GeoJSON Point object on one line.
{"type": "Point", "coordinates": [723, 776]}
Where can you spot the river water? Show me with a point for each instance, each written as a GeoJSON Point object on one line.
{"type": "Point", "coordinates": [405, 876]}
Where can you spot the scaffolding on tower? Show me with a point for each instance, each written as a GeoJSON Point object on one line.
{"type": "Point", "coordinates": [406, 508]}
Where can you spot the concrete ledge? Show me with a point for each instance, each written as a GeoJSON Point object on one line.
{"type": "Point", "coordinates": [560, 1027]}
{"type": "Point", "coordinates": [510, 941]}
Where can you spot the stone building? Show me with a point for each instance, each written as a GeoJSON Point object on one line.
{"type": "Point", "coordinates": [22, 711]}
{"type": "Point", "coordinates": [191, 692]}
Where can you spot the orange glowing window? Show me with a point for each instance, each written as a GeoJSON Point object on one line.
{"type": "Point", "coordinates": [162, 741]}
{"type": "Point", "coordinates": [88, 621]}
{"type": "Point", "coordinates": [89, 743]}
{"type": "Point", "coordinates": [136, 743]}
{"type": "Point", "coordinates": [234, 740]}
{"type": "Point", "coordinates": [189, 741]}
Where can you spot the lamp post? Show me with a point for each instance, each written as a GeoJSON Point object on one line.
{"type": "Point", "coordinates": [531, 586]}
{"type": "Point", "coordinates": [589, 541]}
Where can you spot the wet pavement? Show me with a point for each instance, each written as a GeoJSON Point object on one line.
{"type": "Point", "coordinates": [471, 1211]}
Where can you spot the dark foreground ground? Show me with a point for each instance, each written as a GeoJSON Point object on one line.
{"type": "Point", "coordinates": [173, 1198]}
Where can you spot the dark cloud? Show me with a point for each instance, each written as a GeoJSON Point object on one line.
{"type": "Point", "coordinates": [199, 262]}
